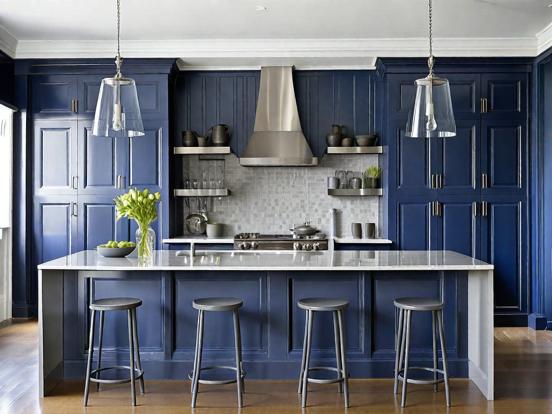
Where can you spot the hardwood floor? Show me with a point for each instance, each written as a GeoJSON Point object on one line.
{"type": "Point", "coordinates": [523, 385]}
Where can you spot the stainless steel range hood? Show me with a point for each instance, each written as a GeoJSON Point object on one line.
{"type": "Point", "coordinates": [277, 139]}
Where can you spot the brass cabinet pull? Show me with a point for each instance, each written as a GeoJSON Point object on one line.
{"type": "Point", "coordinates": [482, 105]}
{"type": "Point", "coordinates": [432, 180]}
{"type": "Point", "coordinates": [439, 209]}
{"type": "Point", "coordinates": [440, 180]}
{"type": "Point", "coordinates": [433, 208]}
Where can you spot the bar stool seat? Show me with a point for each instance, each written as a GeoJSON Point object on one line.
{"type": "Point", "coordinates": [135, 373]}
{"type": "Point", "coordinates": [337, 307]}
{"type": "Point", "coordinates": [112, 304]}
{"type": "Point", "coordinates": [406, 306]}
{"type": "Point", "coordinates": [217, 304]}
{"type": "Point", "coordinates": [322, 304]}
{"type": "Point", "coordinates": [419, 304]}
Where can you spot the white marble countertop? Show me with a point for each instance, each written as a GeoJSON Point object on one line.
{"type": "Point", "coordinates": [168, 260]}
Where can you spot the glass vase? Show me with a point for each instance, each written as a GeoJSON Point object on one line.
{"type": "Point", "coordinates": [145, 245]}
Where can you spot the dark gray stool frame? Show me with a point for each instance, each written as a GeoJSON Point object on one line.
{"type": "Point", "coordinates": [311, 306]}
{"type": "Point", "coordinates": [402, 346]}
{"type": "Point", "coordinates": [217, 305]}
{"type": "Point", "coordinates": [107, 305]}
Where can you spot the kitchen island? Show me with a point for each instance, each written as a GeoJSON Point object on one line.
{"type": "Point", "coordinates": [270, 283]}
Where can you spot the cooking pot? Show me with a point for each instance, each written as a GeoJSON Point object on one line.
{"type": "Point", "coordinates": [304, 229]}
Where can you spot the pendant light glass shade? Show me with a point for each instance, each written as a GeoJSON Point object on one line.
{"type": "Point", "coordinates": [118, 111]}
{"type": "Point", "coordinates": [432, 114]}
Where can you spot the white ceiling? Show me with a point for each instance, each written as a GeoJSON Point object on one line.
{"type": "Point", "coordinates": [202, 31]}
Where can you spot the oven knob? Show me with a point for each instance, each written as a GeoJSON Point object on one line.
{"type": "Point", "coordinates": [254, 245]}
{"type": "Point", "coordinates": [296, 246]}
{"type": "Point", "coordinates": [244, 245]}
{"type": "Point", "coordinates": [316, 246]}
{"type": "Point", "coordinates": [307, 247]}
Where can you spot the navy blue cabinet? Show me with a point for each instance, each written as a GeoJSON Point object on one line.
{"type": "Point", "coordinates": [77, 175]}
{"type": "Point", "coordinates": [466, 193]}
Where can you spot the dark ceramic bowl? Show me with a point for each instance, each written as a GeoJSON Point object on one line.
{"type": "Point", "coordinates": [114, 251]}
{"type": "Point", "coordinates": [347, 142]}
{"type": "Point", "coordinates": [366, 140]}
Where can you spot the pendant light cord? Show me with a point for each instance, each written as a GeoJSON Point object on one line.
{"type": "Point", "coordinates": [430, 60]}
{"type": "Point", "coordinates": [118, 59]}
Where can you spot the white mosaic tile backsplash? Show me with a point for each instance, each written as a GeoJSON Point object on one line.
{"type": "Point", "coordinates": [271, 200]}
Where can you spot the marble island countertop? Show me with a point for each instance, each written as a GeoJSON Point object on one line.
{"type": "Point", "coordinates": [167, 260]}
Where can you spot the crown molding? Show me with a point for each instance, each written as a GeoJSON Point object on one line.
{"type": "Point", "coordinates": [219, 49]}
{"type": "Point", "coordinates": [8, 42]}
{"type": "Point", "coordinates": [544, 39]}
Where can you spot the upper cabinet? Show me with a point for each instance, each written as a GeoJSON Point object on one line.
{"type": "Point", "coordinates": [55, 96]}
{"type": "Point", "coordinates": [490, 148]}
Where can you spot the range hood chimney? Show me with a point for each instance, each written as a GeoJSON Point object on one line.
{"type": "Point", "coordinates": [277, 139]}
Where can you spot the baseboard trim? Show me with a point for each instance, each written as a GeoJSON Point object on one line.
{"type": "Point", "coordinates": [514, 320]}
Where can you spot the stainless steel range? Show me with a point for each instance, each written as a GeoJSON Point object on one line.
{"type": "Point", "coordinates": [258, 241]}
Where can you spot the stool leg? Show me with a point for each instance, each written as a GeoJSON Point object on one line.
{"type": "Point", "coordinates": [435, 357]}
{"type": "Point", "coordinates": [89, 362]}
{"type": "Point", "coordinates": [444, 355]}
{"type": "Point", "coordinates": [102, 314]}
{"type": "Point", "coordinates": [137, 348]}
{"type": "Point", "coordinates": [406, 352]}
{"type": "Point", "coordinates": [199, 350]}
{"type": "Point", "coordinates": [343, 359]}
{"type": "Point", "coordinates": [241, 357]}
{"type": "Point", "coordinates": [195, 353]}
{"type": "Point", "coordinates": [337, 351]}
{"type": "Point", "coordinates": [398, 347]}
{"type": "Point", "coordinates": [304, 355]}
{"type": "Point", "coordinates": [238, 356]}
{"type": "Point", "coordinates": [131, 346]}
{"type": "Point", "coordinates": [310, 316]}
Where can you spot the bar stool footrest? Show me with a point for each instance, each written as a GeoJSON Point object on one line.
{"type": "Point", "coordinates": [422, 381]}
{"type": "Point", "coordinates": [216, 382]}
{"type": "Point", "coordinates": [93, 374]}
{"type": "Point", "coordinates": [324, 380]}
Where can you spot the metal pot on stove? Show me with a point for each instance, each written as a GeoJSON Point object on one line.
{"type": "Point", "coordinates": [304, 229]}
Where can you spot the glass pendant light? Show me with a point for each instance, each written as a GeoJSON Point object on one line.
{"type": "Point", "coordinates": [118, 110]}
{"type": "Point", "coordinates": [432, 115]}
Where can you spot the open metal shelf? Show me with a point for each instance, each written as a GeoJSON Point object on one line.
{"type": "Point", "coordinates": [202, 192]}
{"type": "Point", "coordinates": [361, 192]}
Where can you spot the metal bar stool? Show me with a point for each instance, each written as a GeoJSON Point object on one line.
{"type": "Point", "coordinates": [106, 305]}
{"type": "Point", "coordinates": [217, 305]}
{"type": "Point", "coordinates": [336, 306]}
{"type": "Point", "coordinates": [405, 307]}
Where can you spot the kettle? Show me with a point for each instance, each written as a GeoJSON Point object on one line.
{"type": "Point", "coordinates": [219, 135]}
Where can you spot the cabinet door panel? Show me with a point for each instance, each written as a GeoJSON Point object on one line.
{"type": "Point", "coordinates": [144, 158]}
{"type": "Point", "coordinates": [98, 223]}
{"type": "Point", "coordinates": [55, 150]}
{"type": "Point", "coordinates": [413, 162]}
{"type": "Point", "coordinates": [465, 92]}
{"type": "Point", "coordinates": [52, 96]}
{"type": "Point", "coordinates": [89, 89]}
{"type": "Point", "coordinates": [414, 226]}
{"type": "Point", "coordinates": [458, 231]}
{"type": "Point", "coordinates": [458, 159]}
{"type": "Point", "coordinates": [506, 94]}
{"type": "Point", "coordinates": [53, 228]}
{"type": "Point", "coordinates": [101, 159]}
{"type": "Point", "coordinates": [502, 239]}
{"type": "Point", "coordinates": [503, 152]}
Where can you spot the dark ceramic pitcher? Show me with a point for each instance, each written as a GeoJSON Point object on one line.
{"type": "Point", "coordinates": [219, 135]}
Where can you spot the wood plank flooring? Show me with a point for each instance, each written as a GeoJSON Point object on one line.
{"type": "Point", "coordinates": [523, 379]}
